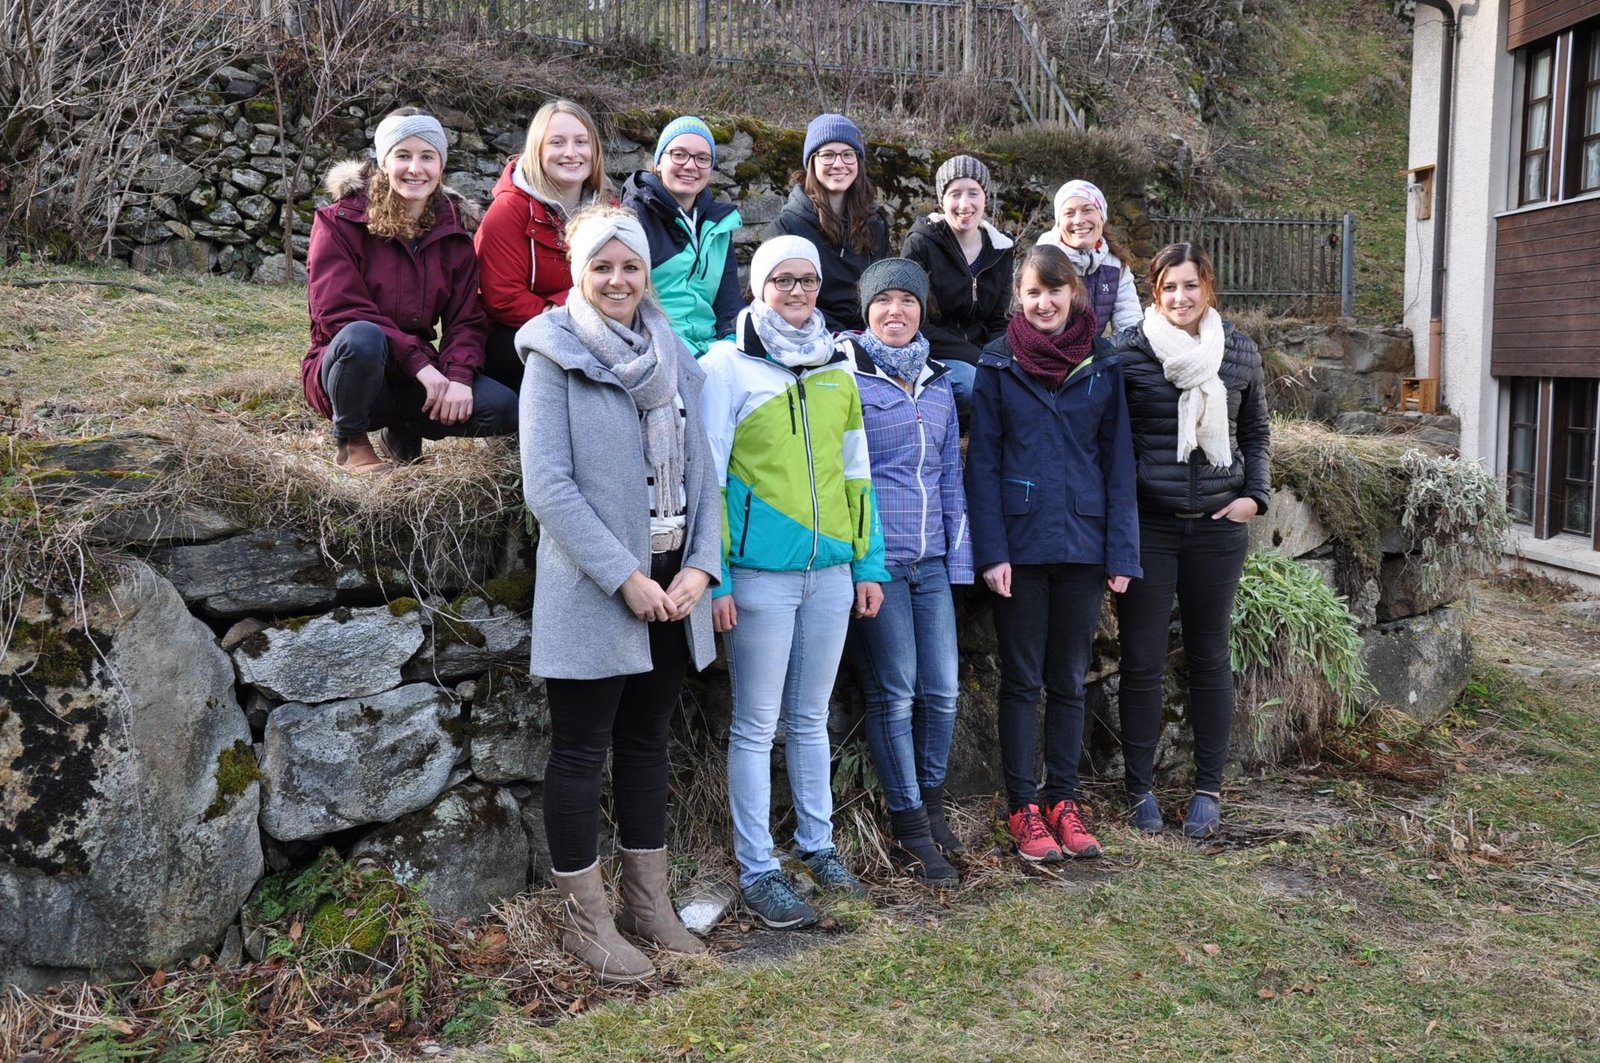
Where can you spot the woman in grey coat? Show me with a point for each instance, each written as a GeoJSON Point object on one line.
{"type": "Point", "coordinates": [617, 470]}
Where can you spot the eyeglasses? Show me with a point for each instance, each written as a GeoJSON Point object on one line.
{"type": "Point", "coordinates": [828, 158]}
{"type": "Point", "coordinates": [701, 159]}
{"type": "Point", "coordinates": [809, 283]}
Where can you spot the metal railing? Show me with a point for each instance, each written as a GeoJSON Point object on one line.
{"type": "Point", "coordinates": [1276, 263]}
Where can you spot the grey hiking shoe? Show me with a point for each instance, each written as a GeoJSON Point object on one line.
{"type": "Point", "coordinates": [831, 872]}
{"type": "Point", "coordinates": [772, 899]}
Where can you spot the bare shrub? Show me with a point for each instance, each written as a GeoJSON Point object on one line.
{"type": "Point", "coordinates": [86, 86]}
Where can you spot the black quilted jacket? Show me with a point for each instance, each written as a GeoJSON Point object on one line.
{"type": "Point", "coordinates": [1167, 485]}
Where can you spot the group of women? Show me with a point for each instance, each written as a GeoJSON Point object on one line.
{"type": "Point", "coordinates": [789, 473]}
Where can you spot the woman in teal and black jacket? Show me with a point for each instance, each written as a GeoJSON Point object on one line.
{"type": "Point", "coordinates": [692, 264]}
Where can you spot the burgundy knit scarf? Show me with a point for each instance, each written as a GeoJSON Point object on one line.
{"type": "Point", "coordinates": [1051, 359]}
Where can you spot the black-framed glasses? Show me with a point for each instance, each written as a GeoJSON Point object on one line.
{"type": "Point", "coordinates": [701, 159]}
{"type": "Point", "coordinates": [828, 158]}
{"type": "Point", "coordinates": [809, 283]}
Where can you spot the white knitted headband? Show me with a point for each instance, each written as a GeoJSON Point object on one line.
{"type": "Point", "coordinates": [397, 127]}
{"type": "Point", "coordinates": [593, 233]}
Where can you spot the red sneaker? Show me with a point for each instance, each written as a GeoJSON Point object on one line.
{"type": "Point", "coordinates": [1033, 838]}
{"type": "Point", "coordinates": [1063, 820]}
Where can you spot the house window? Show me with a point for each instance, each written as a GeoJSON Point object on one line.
{"type": "Point", "coordinates": [1586, 123]}
{"type": "Point", "coordinates": [1522, 448]}
{"type": "Point", "coordinates": [1538, 88]}
{"type": "Point", "coordinates": [1574, 454]}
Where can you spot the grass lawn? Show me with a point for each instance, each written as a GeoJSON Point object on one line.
{"type": "Point", "coordinates": [1324, 126]}
{"type": "Point", "coordinates": [1455, 916]}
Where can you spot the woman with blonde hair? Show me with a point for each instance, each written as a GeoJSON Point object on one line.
{"type": "Point", "coordinates": [522, 248]}
{"type": "Point", "coordinates": [618, 472]}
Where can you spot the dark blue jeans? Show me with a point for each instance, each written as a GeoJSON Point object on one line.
{"type": "Point", "coordinates": [1198, 560]}
{"type": "Point", "coordinates": [908, 662]}
{"type": "Point", "coordinates": [1046, 635]}
{"type": "Point", "coordinates": [366, 394]}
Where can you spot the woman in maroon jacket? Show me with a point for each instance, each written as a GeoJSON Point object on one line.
{"type": "Point", "coordinates": [390, 260]}
{"type": "Point", "coordinates": [522, 245]}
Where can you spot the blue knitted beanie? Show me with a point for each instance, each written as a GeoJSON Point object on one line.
{"type": "Point", "coordinates": [828, 128]}
{"type": "Point", "coordinates": [679, 126]}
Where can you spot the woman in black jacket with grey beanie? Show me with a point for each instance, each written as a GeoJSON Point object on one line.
{"type": "Point", "coordinates": [1197, 405]}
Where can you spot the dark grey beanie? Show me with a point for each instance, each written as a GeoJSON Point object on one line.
{"type": "Point", "coordinates": [954, 169]}
{"type": "Point", "coordinates": [893, 273]}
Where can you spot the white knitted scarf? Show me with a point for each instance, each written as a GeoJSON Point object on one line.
{"type": "Point", "coordinates": [1191, 364]}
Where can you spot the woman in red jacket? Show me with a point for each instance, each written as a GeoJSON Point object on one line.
{"type": "Point", "coordinates": [390, 271]}
{"type": "Point", "coordinates": [522, 247]}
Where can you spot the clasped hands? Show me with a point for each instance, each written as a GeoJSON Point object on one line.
{"type": "Point", "coordinates": [649, 601]}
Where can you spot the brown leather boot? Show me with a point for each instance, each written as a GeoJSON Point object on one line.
{"type": "Point", "coordinates": [647, 911]}
{"type": "Point", "coordinates": [591, 934]}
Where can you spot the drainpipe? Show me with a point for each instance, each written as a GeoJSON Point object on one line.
{"type": "Point", "coordinates": [1441, 186]}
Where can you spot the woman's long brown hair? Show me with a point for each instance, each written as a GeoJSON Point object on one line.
{"type": "Point", "coordinates": [860, 203]}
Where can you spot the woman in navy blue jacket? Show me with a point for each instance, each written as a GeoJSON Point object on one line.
{"type": "Point", "coordinates": [1051, 496]}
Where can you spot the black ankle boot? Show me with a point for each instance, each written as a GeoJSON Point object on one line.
{"type": "Point", "coordinates": [943, 837]}
{"type": "Point", "coordinates": [916, 852]}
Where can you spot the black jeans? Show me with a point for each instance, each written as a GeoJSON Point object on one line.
{"type": "Point", "coordinates": [500, 361]}
{"type": "Point", "coordinates": [365, 394]}
{"type": "Point", "coordinates": [1200, 560]}
{"type": "Point", "coordinates": [1046, 635]}
{"type": "Point", "coordinates": [628, 715]}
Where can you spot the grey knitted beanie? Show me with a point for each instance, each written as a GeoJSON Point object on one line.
{"type": "Point", "coordinates": [954, 169]}
{"type": "Point", "coordinates": [890, 274]}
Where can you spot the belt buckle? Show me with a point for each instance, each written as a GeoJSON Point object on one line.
{"type": "Point", "coordinates": [662, 542]}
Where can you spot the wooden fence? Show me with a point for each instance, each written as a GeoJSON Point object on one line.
{"type": "Point", "coordinates": [1277, 263]}
{"type": "Point", "coordinates": [994, 43]}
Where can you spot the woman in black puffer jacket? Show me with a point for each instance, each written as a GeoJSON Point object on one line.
{"type": "Point", "coordinates": [1197, 404]}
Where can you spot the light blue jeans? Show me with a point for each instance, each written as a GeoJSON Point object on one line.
{"type": "Point", "coordinates": [783, 656]}
{"type": "Point", "coordinates": [909, 673]}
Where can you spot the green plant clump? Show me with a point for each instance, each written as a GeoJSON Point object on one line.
{"type": "Point", "coordinates": [1284, 618]}
{"type": "Point", "coordinates": [1455, 517]}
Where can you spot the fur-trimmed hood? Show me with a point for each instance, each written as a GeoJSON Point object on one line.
{"type": "Point", "coordinates": [349, 178]}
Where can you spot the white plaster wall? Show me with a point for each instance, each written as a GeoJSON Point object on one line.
{"type": "Point", "coordinates": [1479, 164]}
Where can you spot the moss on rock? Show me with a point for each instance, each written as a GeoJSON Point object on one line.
{"type": "Point", "coordinates": [236, 772]}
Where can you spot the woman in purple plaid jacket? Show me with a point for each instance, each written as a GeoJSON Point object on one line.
{"type": "Point", "coordinates": [907, 653]}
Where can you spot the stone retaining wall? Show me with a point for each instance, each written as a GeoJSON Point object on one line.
{"type": "Point", "coordinates": [232, 702]}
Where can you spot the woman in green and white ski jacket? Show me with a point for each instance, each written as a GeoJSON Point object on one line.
{"type": "Point", "coordinates": [802, 544]}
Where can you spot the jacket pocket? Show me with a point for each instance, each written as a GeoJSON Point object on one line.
{"type": "Point", "coordinates": [1090, 505]}
{"type": "Point", "coordinates": [1016, 496]}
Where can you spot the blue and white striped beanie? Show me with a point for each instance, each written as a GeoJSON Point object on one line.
{"type": "Point", "coordinates": [678, 127]}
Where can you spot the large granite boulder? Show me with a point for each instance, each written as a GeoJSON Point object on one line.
{"type": "Point", "coordinates": [1420, 665]}
{"type": "Point", "coordinates": [1289, 526]}
{"type": "Point", "coordinates": [467, 850]}
{"type": "Point", "coordinates": [365, 760]}
{"type": "Point", "coordinates": [128, 793]}
{"type": "Point", "coordinates": [470, 636]}
{"type": "Point", "coordinates": [347, 653]}
{"type": "Point", "coordinates": [510, 728]}
{"type": "Point", "coordinates": [1401, 593]}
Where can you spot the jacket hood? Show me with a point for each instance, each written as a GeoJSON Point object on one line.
{"type": "Point", "coordinates": [646, 188]}
{"type": "Point", "coordinates": [349, 178]}
{"type": "Point", "coordinates": [997, 239]}
{"type": "Point", "coordinates": [798, 200]}
{"type": "Point", "coordinates": [513, 182]}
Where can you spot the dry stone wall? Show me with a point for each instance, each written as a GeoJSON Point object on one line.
{"type": "Point", "coordinates": [231, 701]}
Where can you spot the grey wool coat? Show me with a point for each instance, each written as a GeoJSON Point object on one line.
{"type": "Point", "coordinates": [584, 477]}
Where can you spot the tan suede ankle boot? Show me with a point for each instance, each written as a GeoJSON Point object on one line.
{"type": "Point", "coordinates": [591, 933]}
{"type": "Point", "coordinates": [647, 911]}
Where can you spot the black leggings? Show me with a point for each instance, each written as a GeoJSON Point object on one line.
{"type": "Point", "coordinates": [629, 716]}
{"type": "Point", "coordinates": [1200, 561]}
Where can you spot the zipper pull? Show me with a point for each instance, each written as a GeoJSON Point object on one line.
{"type": "Point", "coordinates": [794, 429]}
{"type": "Point", "coordinates": [974, 290]}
